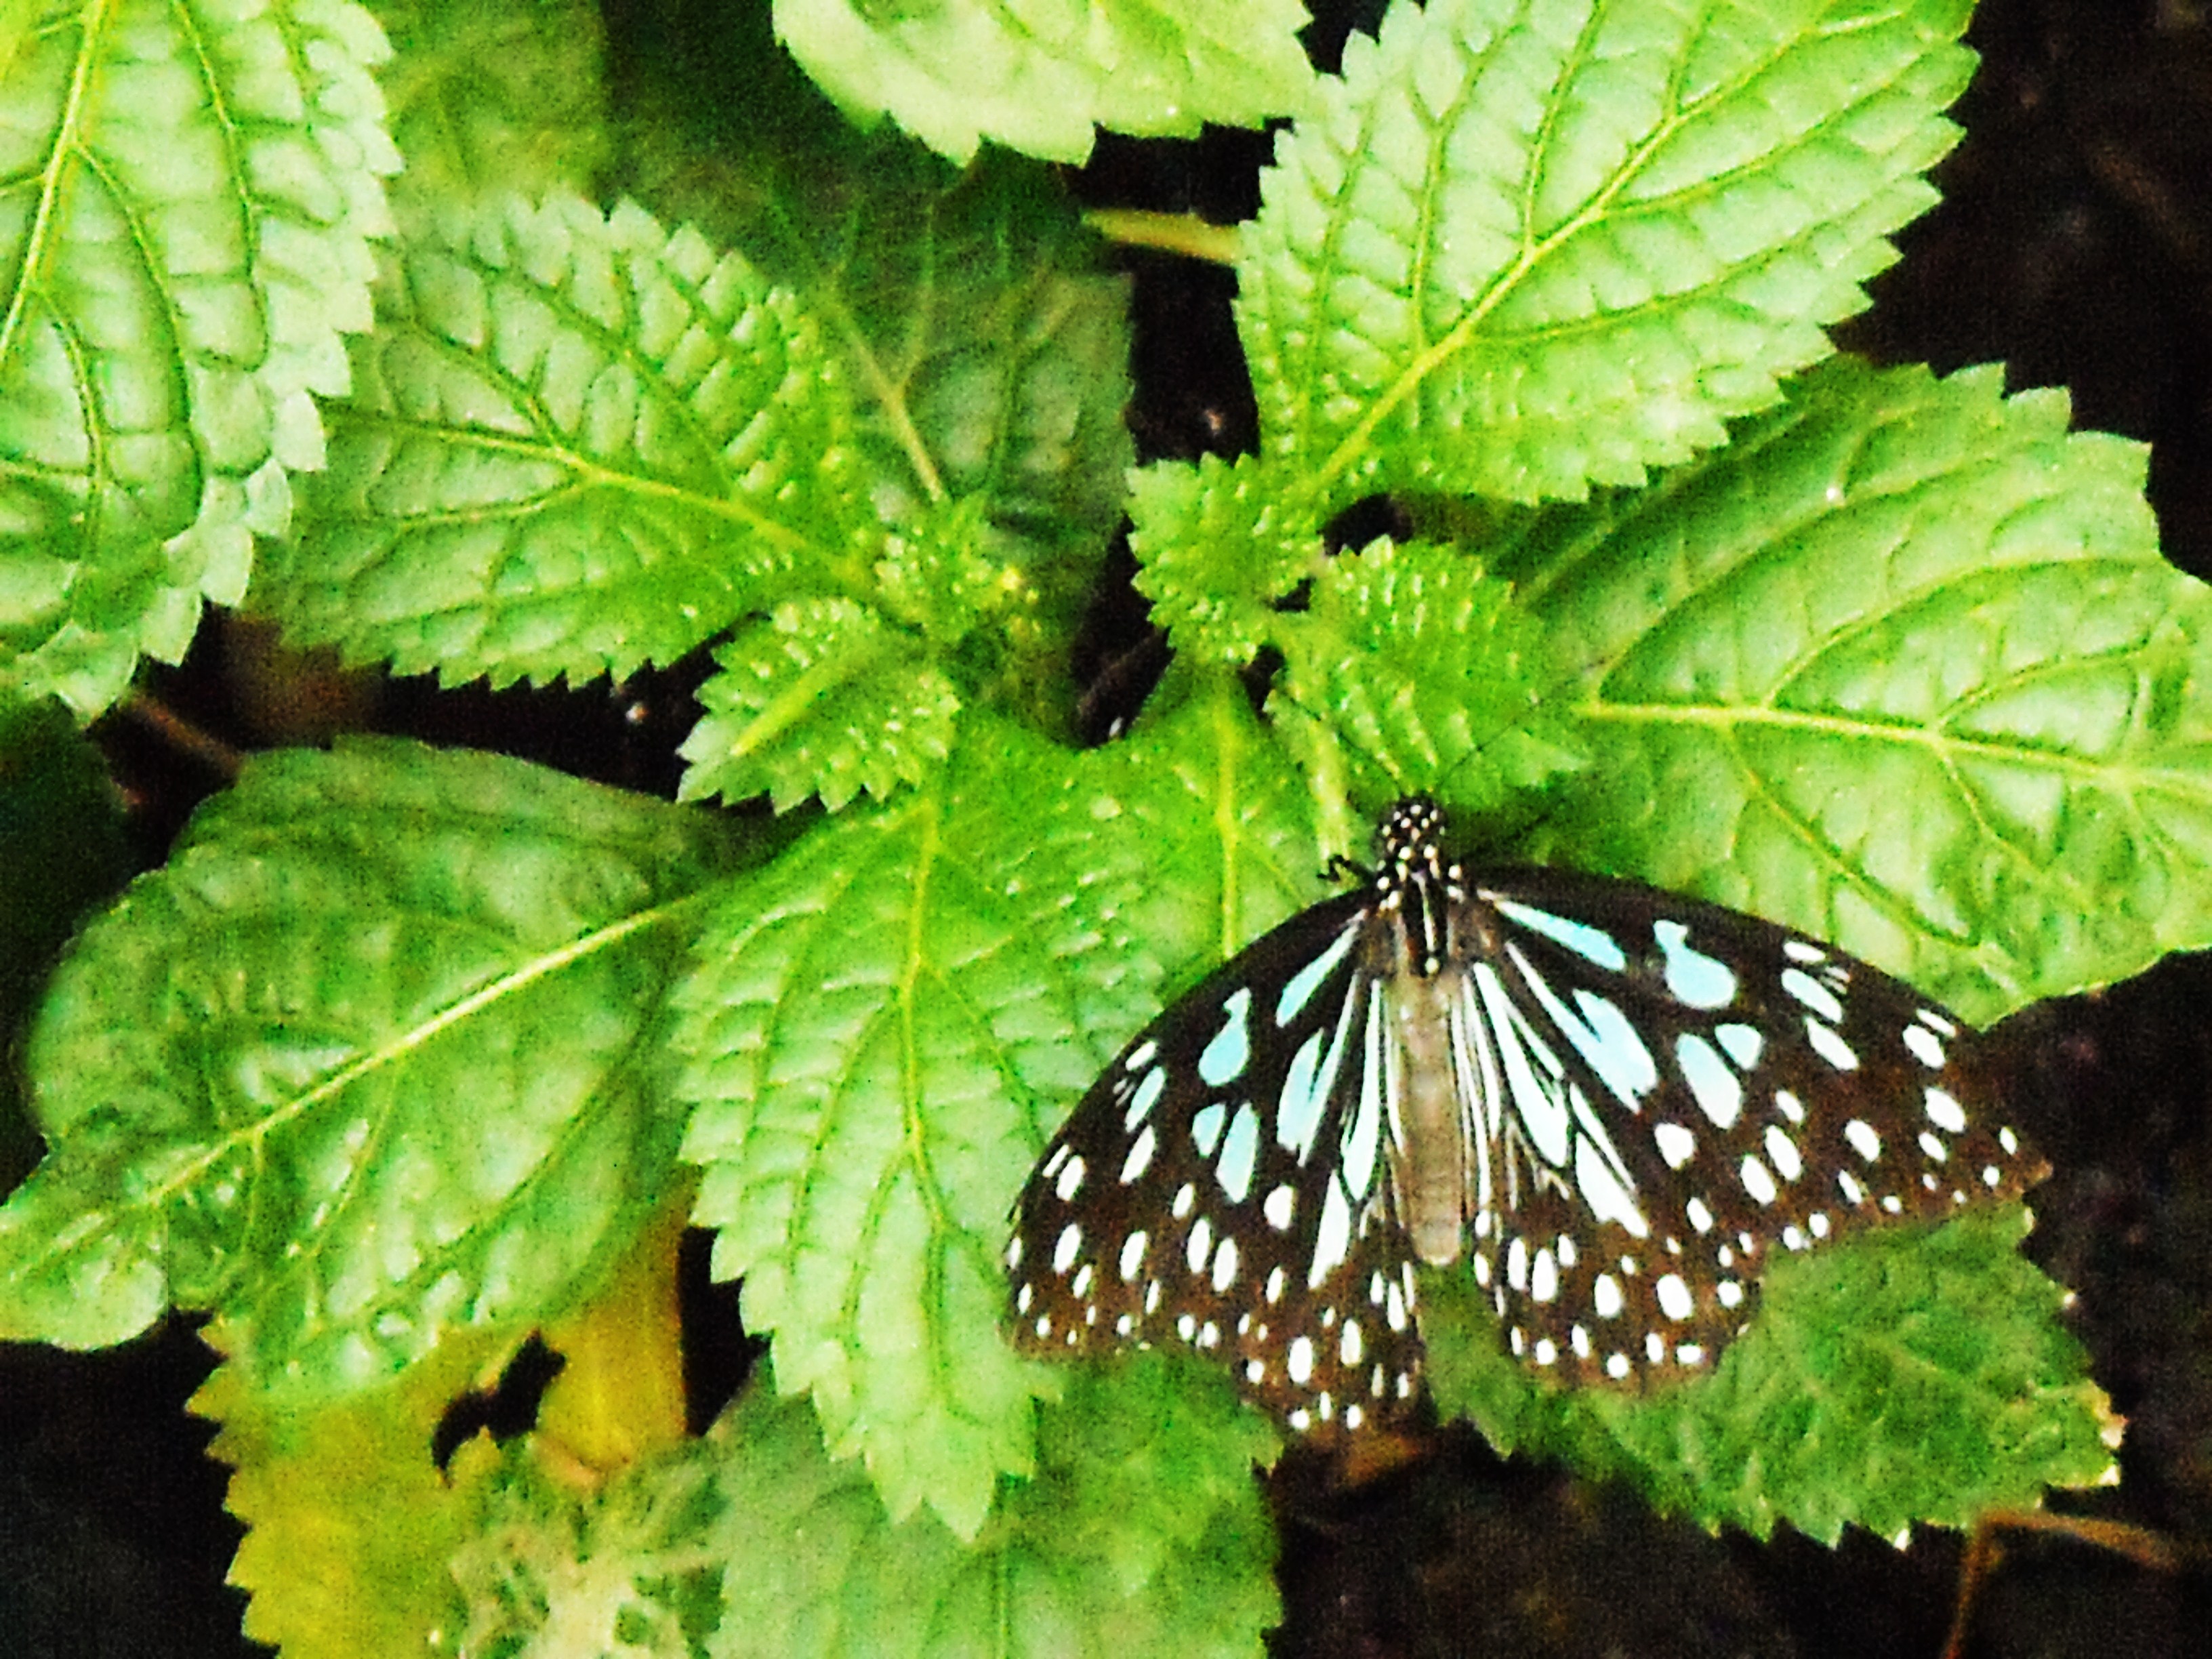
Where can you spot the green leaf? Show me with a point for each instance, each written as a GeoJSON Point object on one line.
{"type": "Point", "coordinates": [1417, 667]}
{"type": "Point", "coordinates": [495, 99]}
{"type": "Point", "coordinates": [824, 699]}
{"type": "Point", "coordinates": [1035, 78]}
{"type": "Point", "coordinates": [350, 1523]}
{"type": "Point", "coordinates": [365, 1064]}
{"type": "Point", "coordinates": [1901, 667]}
{"type": "Point", "coordinates": [577, 444]}
{"type": "Point", "coordinates": [1521, 249]}
{"type": "Point", "coordinates": [1909, 1377]}
{"type": "Point", "coordinates": [1226, 836]}
{"type": "Point", "coordinates": [986, 345]}
{"type": "Point", "coordinates": [884, 1026]}
{"type": "Point", "coordinates": [1142, 1533]}
{"type": "Point", "coordinates": [192, 187]}
{"type": "Point", "coordinates": [1220, 543]}
{"type": "Point", "coordinates": [870, 1023]}
{"type": "Point", "coordinates": [989, 347]}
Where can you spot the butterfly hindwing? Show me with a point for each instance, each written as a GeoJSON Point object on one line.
{"type": "Point", "coordinates": [1682, 1089]}
{"type": "Point", "coordinates": [1223, 1187]}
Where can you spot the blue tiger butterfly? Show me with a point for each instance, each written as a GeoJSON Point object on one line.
{"type": "Point", "coordinates": [1614, 1102]}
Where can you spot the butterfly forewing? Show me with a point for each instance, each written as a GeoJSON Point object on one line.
{"type": "Point", "coordinates": [1616, 1102]}
{"type": "Point", "coordinates": [1677, 1091]}
{"type": "Point", "coordinates": [1223, 1186]}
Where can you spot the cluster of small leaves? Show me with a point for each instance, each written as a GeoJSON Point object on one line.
{"type": "Point", "coordinates": [402, 1050]}
{"type": "Point", "coordinates": [1221, 543]}
{"type": "Point", "coordinates": [1416, 668]}
{"type": "Point", "coordinates": [821, 698]}
{"type": "Point", "coordinates": [629, 1574]}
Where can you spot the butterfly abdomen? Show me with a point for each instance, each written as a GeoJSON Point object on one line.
{"type": "Point", "coordinates": [1431, 1144]}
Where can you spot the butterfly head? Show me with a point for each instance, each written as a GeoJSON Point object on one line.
{"type": "Point", "coordinates": [1416, 885]}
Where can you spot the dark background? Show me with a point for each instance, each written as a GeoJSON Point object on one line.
{"type": "Point", "coordinates": [2074, 245]}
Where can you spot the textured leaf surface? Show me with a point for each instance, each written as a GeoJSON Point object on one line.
{"type": "Point", "coordinates": [988, 349]}
{"type": "Point", "coordinates": [1036, 78]}
{"type": "Point", "coordinates": [1902, 668]}
{"type": "Point", "coordinates": [1909, 1378]}
{"type": "Point", "coordinates": [190, 190]}
{"type": "Point", "coordinates": [1222, 827]}
{"type": "Point", "coordinates": [1142, 1533]}
{"type": "Point", "coordinates": [884, 1026]}
{"type": "Point", "coordinates": [576, 445]}
{"type": "Point", "coordinates": [986, 344]}
{"type": "Point", "coordinates": [869, 1022]}
{"type": "Point", "coordinates": [1220, 542]}
{"type": "Point", "coordinates": [1524, 247]}
{"type": "Point", "coordinates": [824, 699]}
{"type": "Point", "coordinates": [363, 1066]}
{"type": "Point", "coordinates": [1423, 676]}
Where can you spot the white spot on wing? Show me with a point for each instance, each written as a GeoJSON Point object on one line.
{"type": "Point", "coordinates": [1675, 1144]}
{"type": "Point", "coordinates": [1925, 1046]}
{"type": "Point", "coordinates": [1828, 1043]}
{"type": "Point", "coordinates": [1224, 1265]}
{"type": "Point", "coordinates": [1201, 1245]}
{"type": "Point", "coordinates": [1782, 1153]}
{"type": "Point", "coordinates": [1757, 1182]}
{"type": "Point", "coordinates": [1814, 996]}
{"type": "Point", "coordinates": [1945, 1112]}
{"type": "Point", "coordinates": [1140, 1156]}
{"type": "Point", "coordinates": [1544, 1277]}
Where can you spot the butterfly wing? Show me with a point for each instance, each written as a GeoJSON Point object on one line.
{"type": "Point", "coordinates": [1667, 1090]}
{"type": "Point", "coordinates": [1223, 1185]}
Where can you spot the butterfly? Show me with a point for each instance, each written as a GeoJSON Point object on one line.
{"type": "Point", "coordinates": [1612, 1102]}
